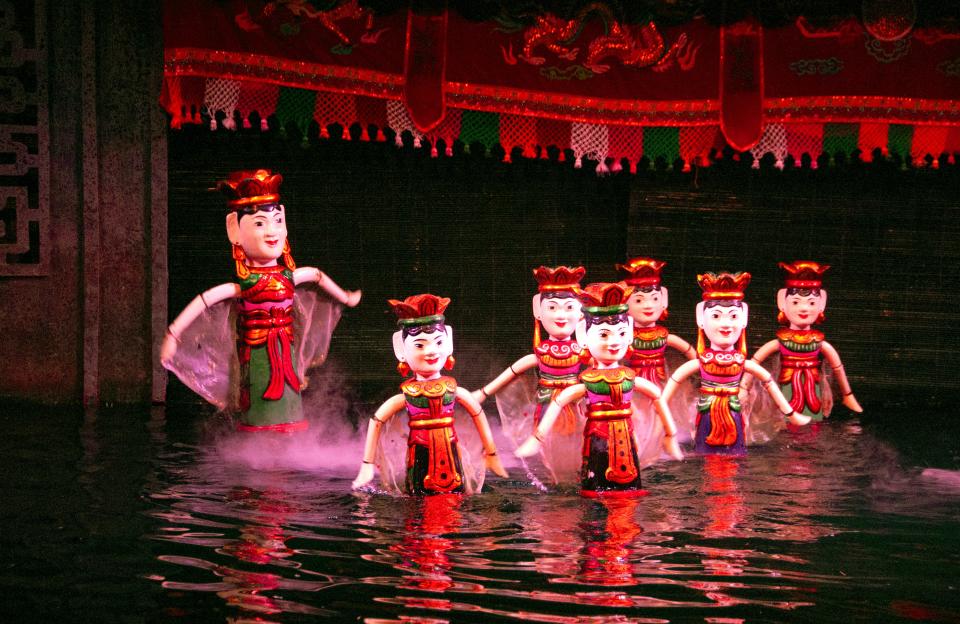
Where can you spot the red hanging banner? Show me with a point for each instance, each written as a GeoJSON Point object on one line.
{"type": "Point", "coordinates": [741, 84]}
{"type": "Point", "coordinates": [424, 69]}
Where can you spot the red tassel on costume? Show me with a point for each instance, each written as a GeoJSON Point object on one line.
{"type": "Point", "coordinates": [281, 366]}
{"type": "Point", "coordinates": [804, 385]}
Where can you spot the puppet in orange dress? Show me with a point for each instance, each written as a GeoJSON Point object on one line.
{"type": "Point", "coordinates": [721, 361]}
{"type": "Point", "coordinates": [424, 347]}
{"type": "Point", "coordinates": [610, 464]}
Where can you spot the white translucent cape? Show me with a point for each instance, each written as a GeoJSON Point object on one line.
{"type": "Point", "coordinates": [561, 454]}
{"type": "Point", "coordinates": [206, 360]}
{"type": "Point", "coordinates": [391, 458]}
{"type": "Point", "coordinates": [647, 428]}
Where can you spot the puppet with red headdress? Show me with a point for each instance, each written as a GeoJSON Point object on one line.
{"type": "Point", "coordinates": [435, 462]}
{"type": "Point", "coordinates": [246, 345]}
{"type": "Point", "coordinates": [610, 463]}
{"type": "Point", "coordinates": [720, 428]}
{"type": "Point", "coordinates": [803, 351]}
{"type": "Point", "coordinates": [557, 360]}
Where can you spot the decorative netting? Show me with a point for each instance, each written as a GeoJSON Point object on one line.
{"type": "Point", "coordinates": [295, 110]}
{"type": "Point", "coordinates": [592, 141]}
{"type": "Point", "coordinates": [259, 98]}
{"type": "Point", "coordinates": [805, 139]}
{"type": "Point", "coordinates": [479, 127]}
{"type": "Point", "coordinates": [696, 143]}
{"type": "Point", "coordinates": [519, 131]}
{"type": "Point", "coordinates": [448, 130]}
{"type": "Point", "coordinates": [873, 136]}
{"type": "Point", "coordinates": [222, 95]}
{"type": "Point", "coordinates": [335, 108]}
{"type": "Point", "coordinates": [625, 142]}
{"type": "Point", "coordinates": [295, 107]}
{"type": "Point", "coordinates": [773, 141]}
{"type": "Point", "coordinates": [661, 144]}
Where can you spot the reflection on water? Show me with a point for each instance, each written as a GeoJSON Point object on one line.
{"type": "Point", "coordinates": [802, 528]}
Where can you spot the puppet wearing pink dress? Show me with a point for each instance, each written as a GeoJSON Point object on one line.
{"type": "Point", "coordinates": [648, 306]}
{"type": "Point", "coordinates": [802, 349]}
{"type": "Point", "coordinates": [557, 361]}
{"type": "Point", "coordinates": [648, 352]}
{"type": "Point", "coordinates": [610, 465]}
{"type": "Point", "coordinates": [246, 345]}
{"type": "Point", "coordinates": [720, 428]}
{"type": "Point", "coordinates": [435, 460]}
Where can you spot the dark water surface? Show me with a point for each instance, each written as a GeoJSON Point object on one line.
{"type": "Point", "coordinates": [126, 515]}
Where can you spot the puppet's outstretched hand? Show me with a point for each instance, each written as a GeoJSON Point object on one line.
{"type": "Point", "coordinates": [672, 448]}
{"type": "Point", "coordinates": [851, 402]}
{"type": "Point", "coordinates": [494, 465]}
{"type": "Point", "coordinates": [168, 349]}
{"type": "Point", "coordinates": [529, 448]}
{"type": "Point", "coordinates": [364, 477]}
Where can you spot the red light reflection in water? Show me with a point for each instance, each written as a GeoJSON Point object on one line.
{"type": "Point", "coordinates": [262, 544]}
{"type": "Point", "coordinates": [259, 544]}
{"type": "Point", "coordinates": [607, 552]}
{"type": "Point", "coordinates": [805, 489]}
{"type": "Point", "coordinates": [724, 502]}
{"type": "Point", "coordinates": [423, 548]}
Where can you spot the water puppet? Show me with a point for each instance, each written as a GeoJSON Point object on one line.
{"type": "Point", "coordinates": [721, 319]}
{"type": "Point", "coordinates": [648, 306]}
{"type": "Point", "coordinates": [648, 354]}
{"type": "Point", "coordinates": [557, 361]}
{"type": "Point", "coordinates": [610, 464]}
{"type": "Point", "coordinates": [803, 351]}
{"type": "Point", "coordinates": [434, 458]}
{"type": "Point", "coordinates": [246, 345]}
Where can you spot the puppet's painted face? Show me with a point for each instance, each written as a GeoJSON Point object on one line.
{"type": "Point", "coordinates": [426, 352]}
{"type": "Point", "coordinates": [559, 316]}
{"type": "Point", "coordinates": [647, 307]}
{"type": "Point", "coordinates": [801, 310]}
{"type": "Point", "coordinates": [262, 235]}
{"type": "Point", "coordinates": [608, 343]}
{"type": "Point", "coordinates": [723, 325]}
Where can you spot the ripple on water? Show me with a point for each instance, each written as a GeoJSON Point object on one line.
{"type": "Point", "coordinates": [790, 529]}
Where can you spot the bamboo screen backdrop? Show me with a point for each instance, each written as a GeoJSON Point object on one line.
{"type": "Point", "coordinates": [395, 222]}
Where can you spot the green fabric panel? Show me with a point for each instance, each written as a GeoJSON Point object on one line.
{"type": "Point", "coordinates": [899, 139]}
{"type": "Point", "coordinates": [296, 105]}
{"type": "Point", "coordinates": [480, 126]}
{"type": "Point", "coordinates": [787, 390]}
{"type": "Point", "coordinates": [840, 137]}
{"type": "Point", "coordinates": [661, 141]}
{"type": "Point", "coordinates": [263, 412]}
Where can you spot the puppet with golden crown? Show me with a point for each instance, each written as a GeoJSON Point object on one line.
{"type": "Point", "coordinates": [648, 351]}
{"type": "Point", "coordinates": [720, 428]}
{"type": "Point", "coordinates": [648, 306]}
{"type": "Point", "coordinates": [434, 458]}
{"type": "Point", "coordinates": [802, 349]}
{"type": "Point", "coordinates": [610, 466]}
{"type": "Point", "coordinates": [246, 345]}
{"type": "Point", "coordinates": [558, 362]}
